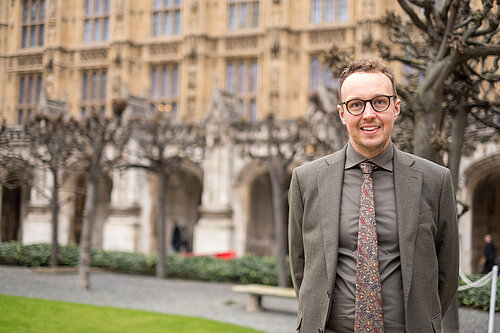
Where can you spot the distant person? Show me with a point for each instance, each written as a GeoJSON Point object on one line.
{"type": "Point", "coordinates": [177, 238]}
{"type": "Point", "coordinates": [184, 240]}
{"type": "Point", "coordinates": [489, 254]}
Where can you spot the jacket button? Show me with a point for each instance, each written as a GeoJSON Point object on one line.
{"type": "Point", "coordinates": [328, 293]}
{"type": "Point", "coordinates": [320, 330]}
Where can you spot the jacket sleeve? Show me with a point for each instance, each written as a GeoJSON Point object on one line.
{"type": "Point", "coordinates": [296, 244]}
{"type": "Point", "coordinates": [447, 244]}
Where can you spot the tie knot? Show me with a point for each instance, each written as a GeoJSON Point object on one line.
{"type": "Point", "coordinates": [367, 167]}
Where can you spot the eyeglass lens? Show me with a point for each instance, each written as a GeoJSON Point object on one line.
{"type": "Point", "coordinates": [379, 103]}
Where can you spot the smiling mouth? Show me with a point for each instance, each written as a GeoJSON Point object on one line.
{"type": "Point", "coordinates": [369, 128]}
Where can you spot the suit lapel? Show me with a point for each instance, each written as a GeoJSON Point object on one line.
{"type": "Point", "coordinates": [408, 191]}
{"type": "Point", "coordinates": [329, 191]}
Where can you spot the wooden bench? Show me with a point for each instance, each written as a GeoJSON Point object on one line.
{"type": "Point", "coordinates": [256, 291]}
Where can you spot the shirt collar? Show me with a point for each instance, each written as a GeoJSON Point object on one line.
{"type": "Point", "coordinates": [382, 160]}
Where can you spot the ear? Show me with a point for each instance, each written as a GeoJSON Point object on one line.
{"type": "Point", "coordinates": [397, 108]}
{"type": "Point", "coordinates": [341, 113]}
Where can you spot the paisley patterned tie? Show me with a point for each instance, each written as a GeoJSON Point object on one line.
{"type": "Point", "coordinates": [368, 315]}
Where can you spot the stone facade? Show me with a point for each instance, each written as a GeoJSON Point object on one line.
{"type": "Point", "coordinates": [223, 201]}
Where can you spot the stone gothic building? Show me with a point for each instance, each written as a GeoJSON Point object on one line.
{"type": "Point", "coordinates": [181, 57]}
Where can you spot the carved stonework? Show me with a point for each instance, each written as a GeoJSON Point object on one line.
{"type": "Point", "coordinates": [116, 85]}
{"type": "Point", "coordinates": [119, 25]}
{"type": "Point", "coordinates": [52, 32]}
{"type": "Point", "coordinates": [327, 37]}
{"type": "Point", "coordinates": [193, 4]}
{"type": "Point", "coordinates": [192, 79]}
{"type": "Point", "coordinates": [167, 48]}
{"type": "Point", "coordinates": [367, 34]}
{"type": "Point", "coordinates": [194, 18]}
{"type": "Point", "coordinates": [239, 43]}
{"type": "Point", "coordinates": [369, 6]}
{"type": "Point", "coordinates": [52, 9]}
{"type": "Point", "coordinates": [49, 84]}
{"type": "Point", "coordinates": [275, 75]}
{"type": "Point", "coordinates": [29, 60]}
{"type": "Point", "coordinates": [92, 55]}
{"type": "Point", "coordinates": [120, 7]}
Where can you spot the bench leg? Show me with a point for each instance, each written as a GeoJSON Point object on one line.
{"type": "Point", "coordinates": [255, 303]}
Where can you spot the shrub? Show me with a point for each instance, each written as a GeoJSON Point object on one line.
{"type": "Point", "coordinates": [68, 255]}
{"type": "Point", "coordinates": [124, 262]}
{"type": "Point", "coordinates": [34, 255]}
{"type": "Point", "coordinates": [247, 269]}
{"type": "Point", "coordinates": [9, 252]}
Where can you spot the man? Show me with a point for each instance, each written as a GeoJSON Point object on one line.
{"type": "Point", "coordinates": [391, 263]}
{"type": "Point", "coordinates": [489, 255]}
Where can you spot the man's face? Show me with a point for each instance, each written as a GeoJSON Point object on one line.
{"type": "Point", "coordinates": [370, 131]}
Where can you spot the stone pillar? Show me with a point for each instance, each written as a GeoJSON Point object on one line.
{"type": "Point", "coordinates": [35, 214]}
{"type": "Point", "coordinates": [214, 231]}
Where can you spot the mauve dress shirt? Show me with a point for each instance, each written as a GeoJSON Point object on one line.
{"type": "Point", "coordinates": [342, 311]}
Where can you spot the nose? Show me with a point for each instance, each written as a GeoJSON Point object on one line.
{"type": "Point", "coordinates": [369, 111]}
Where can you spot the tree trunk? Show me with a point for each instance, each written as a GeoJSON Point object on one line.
{"type": "Point", "coordinates": [161, 271]}
{"type": "Point", "coordinates": [422, 144]}
{"type": "Point", "coordinates": [54, 253]}
{"type": "Point", "coordinates": [459, 123]}
{"type": "Point", "coordinates": [86, 237]}
{"type": "Point", "coordinates": [276, 173]}
{"type": "Point", "coordinates": [451, 320]}
{"type": "Point", "coordinates": [429, 110]}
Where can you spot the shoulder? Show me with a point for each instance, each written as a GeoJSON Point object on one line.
{"type": "Point", "coordinates": [321, 163]}
{"type": "Point", "coordinates": [417, 162]}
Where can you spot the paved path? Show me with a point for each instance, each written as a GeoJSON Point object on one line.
{"type": "Point", "coordinates": [192, 298]}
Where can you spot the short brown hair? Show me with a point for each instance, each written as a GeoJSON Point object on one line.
{"type": "Point", "coordinates": [366, 65]}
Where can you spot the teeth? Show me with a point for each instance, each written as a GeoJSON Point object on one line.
{"type": "Point", "coordinates": [370, 128]}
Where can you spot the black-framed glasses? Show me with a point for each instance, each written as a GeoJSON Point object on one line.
{"type": "Point", "coordinates": [379, 103]}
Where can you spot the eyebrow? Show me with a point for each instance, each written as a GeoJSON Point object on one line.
{"type": "Point", "coordinates": [364, 99]}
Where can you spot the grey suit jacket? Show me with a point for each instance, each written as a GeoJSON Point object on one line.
{"type": "Point", "coordinates": [427, 232]}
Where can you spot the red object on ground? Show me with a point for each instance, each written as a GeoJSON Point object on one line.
{"type": "Point", "coordinates": [226, 255]}
{"type": "Point", "coordinates": [220, 255]}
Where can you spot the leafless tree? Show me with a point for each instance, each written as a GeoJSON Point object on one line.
{"type": "Point", "coordinates": [438, 42]}
{"type": "Point", "coordinates": [327, 133]}
{"type": "Point", "coordinates": [51, 143]}
{"type": "Point", "coordinates": [15, 167]}
{"type": "Point", "coordinates": [159, 145]}
{"type": "Point", "coordinates": [101, 142]}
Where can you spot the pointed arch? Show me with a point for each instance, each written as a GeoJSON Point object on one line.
{"type": "Point", "coordinates": [482, 179]}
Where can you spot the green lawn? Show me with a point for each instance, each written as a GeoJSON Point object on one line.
{"type": "Point", "coordinates": [20, 314]}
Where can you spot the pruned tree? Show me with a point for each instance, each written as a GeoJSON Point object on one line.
{"type": "Point", "coordinates": [277, 143]}
{"type": "Point", "coordinates": [5, 141]}
{"type": "Point", "coordinates": [438, 41]}
{"type": "Point", "coordinates": [10, 141]}
{"type": "Point", "coordinates": [15, 167]}
{"type": "Point", "coordinates": [2, 127]}
{"type": "Point", "coordinates": [327, 133]}
{"type": "Point", "coordinates": [159, 145]}
{"type": "Point", "coordinates": [100, 144]}
{"type": "Point", "coordinates": [51, 143]}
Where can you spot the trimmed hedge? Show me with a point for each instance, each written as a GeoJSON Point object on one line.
{"type": "Point", "coordinates": [247, 269]}
{"type": "Point", "coordinates": [479, 297]}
